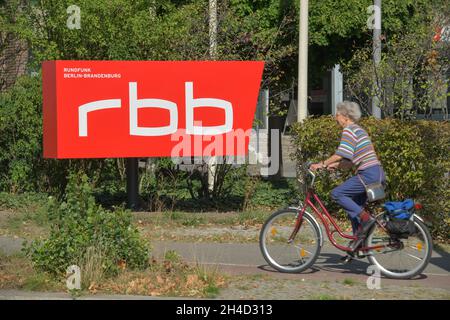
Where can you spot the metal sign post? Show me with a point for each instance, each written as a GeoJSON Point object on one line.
{"type": "Point", "coordinates": [132, 183]}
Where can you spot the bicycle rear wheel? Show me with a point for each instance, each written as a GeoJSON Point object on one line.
{"type": "Point", "coordinates": [402, 258]}
{"type": "Point", "coordinates": [286, 256]}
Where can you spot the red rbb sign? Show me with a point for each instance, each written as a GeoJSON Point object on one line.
{"type": "Point", "coordinates": [107, 109]}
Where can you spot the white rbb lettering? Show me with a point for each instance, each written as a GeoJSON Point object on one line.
{"type": "Point", "coordinates": [136, 104]}
{"type": "Point", "coordinates": [84, 109]}
{"type": "Point", "coordinates": [192, 103]}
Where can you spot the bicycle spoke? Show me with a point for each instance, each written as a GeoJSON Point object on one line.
{"type": "Point", "coordinates": [412, 256]}
{"type": "Point", "coordinates": [302, 249]}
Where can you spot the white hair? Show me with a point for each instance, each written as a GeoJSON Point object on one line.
{"type": "Point", "coordinates": [349, 109]}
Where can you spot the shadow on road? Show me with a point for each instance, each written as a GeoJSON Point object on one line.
{"type": "Point", "coordinates": [268, 268]}
{"type": "Point", "coordinates": [443, 261]}
{"type": "Point", "coordinates": [329, 262]}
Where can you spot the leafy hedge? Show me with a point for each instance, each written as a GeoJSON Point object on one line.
{"type": "Point", "coordinates": [21, 134]}
{"type": "Point", "coordinates": [414, 155]}
{"type": "Point", "coordinates": [79, 225]}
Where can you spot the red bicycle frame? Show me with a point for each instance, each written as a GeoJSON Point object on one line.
{"type": "Point", "coordinates": [322, 214]}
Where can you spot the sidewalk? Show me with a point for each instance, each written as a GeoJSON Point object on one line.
{"type": "Point", "coordinates": [35, 295]}
{"type": "Point", "coordinates": [245, 259]}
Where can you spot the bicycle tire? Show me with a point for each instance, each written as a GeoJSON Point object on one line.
{"type": "Point", "coordinates": [422, 229]}
{"type": "Point", "coordinates": [273, 261]}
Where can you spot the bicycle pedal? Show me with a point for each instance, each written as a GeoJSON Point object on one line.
{"type": "Point", "coordinates": [347, 259]}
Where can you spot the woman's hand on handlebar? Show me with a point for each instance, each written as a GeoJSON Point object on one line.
{"type": "Point", "coordinates": [315, 166]}
{"type": "Point", "coordinates": [333, 166]}
{"type": "Point", "coordinates": [319, 165]}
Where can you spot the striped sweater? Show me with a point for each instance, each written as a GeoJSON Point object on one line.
{"type": "Point", "coordinates": [356, 146]}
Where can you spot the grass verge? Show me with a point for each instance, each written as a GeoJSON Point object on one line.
{"type": "Point", "coordinates": [168, 277]}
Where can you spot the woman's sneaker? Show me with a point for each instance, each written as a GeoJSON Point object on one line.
{"type": "Point", "coordinates": [367, 221]}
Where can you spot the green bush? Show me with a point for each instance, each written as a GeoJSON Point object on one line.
{"type": "Point", "coordinates": [21, 134]}
{"type": "Point", "coordinates": [22, 200]}
{"type": "Point", "coordinates": [414, 155]}
{"type": "Point", "coordinates": [274, 194]}
{"type": "Point", "coordinates": [22, 166]}
{"type": "Point", "coordinates": [78, 224]}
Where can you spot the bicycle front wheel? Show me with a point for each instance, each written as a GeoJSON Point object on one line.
{"type": "Point", "coordinates": [401, 258]}
{"type": "Point", "coordinates": [289, 256]}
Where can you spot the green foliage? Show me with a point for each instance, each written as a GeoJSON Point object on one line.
{"type": "Point", "coordinates": [273, 194]}
{"type": "Point", "coordinates": [164, 187]}
{"type": "Point", "coordinates": [21, 134]}
{"type": "Point", "coordinates": [260, 30]}
{"type": "Point", "coordinates": [38, 282]}
{"type": "Point", "coordinates": [79, 224]}
{"type": "Point", "coordinates": [22, 200]}
{"type": "Point", "coordinates": [22, 166]}
{"type": "Point", "coordinates": [27, 207]}
{"type": "Point", "coordinates": [414, 156]}
{"type": "Point", "coordinates": [268, 30]}
{"type": "Point", "coordinates": [411, 76]}
{"type": "Point", "coordinates": [146, 30]}
{"type": "Point", "coordinates": [339, 28]}
{"type": "Point", "coordinates": [172, 256]}
{"type": "Point", "coordinates": [178, 30]}
{"type": "Point", "coordinates": [102, 34]}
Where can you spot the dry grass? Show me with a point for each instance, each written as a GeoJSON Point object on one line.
{"type": "Point", "coordinates": [173, 226]}
{"type": "Point", "coordinates": [91, 266]}
{"type": "Point", "coordinates": [201, 234]}
{"type": "Point", "coordinates": [16, 272]}
{"type": "Point", "coordinates": [169, 277]}
{"type": "Point", "coordinates": [22, 224]}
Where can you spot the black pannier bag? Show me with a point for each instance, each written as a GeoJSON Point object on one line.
{"type": "Point", "coordinates": [401, 228]}
{"type": "Point", "coordinates": [400, 219]}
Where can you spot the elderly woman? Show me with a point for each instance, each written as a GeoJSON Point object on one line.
{"type": "Point", "coordinates": [355, 146]}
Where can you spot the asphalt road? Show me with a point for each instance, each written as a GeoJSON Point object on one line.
{"type": "Point", "coordinates": [234, 258]}
{"type": "Point", "coordinates": [247, 259]}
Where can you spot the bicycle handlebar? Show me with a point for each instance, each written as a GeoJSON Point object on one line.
{"type": "Point", "coordinates": [313, 174]}
{"type": "Point", "coordinates": [306, 166]}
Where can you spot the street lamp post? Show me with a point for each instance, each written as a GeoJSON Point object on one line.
{"type": "Point", "coordinates": [213, 56]}
{"type": "Point", "coordinates": [302, 107]}
{"type": "Point", "coordinates": [376, 111]}
{"type": "Point", "coordinates": [213, 29]}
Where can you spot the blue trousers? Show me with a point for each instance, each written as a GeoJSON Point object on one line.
{"type": "Point", "coordinates": [351, 195]}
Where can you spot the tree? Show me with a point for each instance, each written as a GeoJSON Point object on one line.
{"type": "Point", "coordinates": [248, 30]}
{"type": "Point", "coordinates": [412, 76]}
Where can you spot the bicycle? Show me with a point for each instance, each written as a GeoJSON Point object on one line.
{"type": "Point", "coordinates": [291, 239]}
